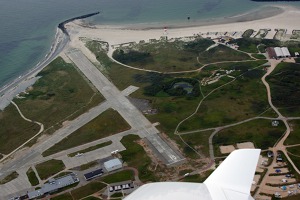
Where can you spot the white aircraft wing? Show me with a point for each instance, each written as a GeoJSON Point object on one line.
{"type": "Point", "coordinates": [230, 181]}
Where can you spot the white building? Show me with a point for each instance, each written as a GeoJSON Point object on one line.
{"type": "Point", "coordinates": [278, 52]}
{"type": "Point", "coordinates": [113, 164]}
{"type": "Point", "coordinates": [285, 52]}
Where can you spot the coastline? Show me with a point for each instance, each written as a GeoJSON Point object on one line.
{"type": "Point", "coordinates": [276, 16]}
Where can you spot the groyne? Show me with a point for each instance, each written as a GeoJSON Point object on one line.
{"type": "Point", "coordinates": [62, 27]}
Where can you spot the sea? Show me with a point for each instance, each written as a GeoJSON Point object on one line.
{"type": "Point", "coordinates": [28, 27]}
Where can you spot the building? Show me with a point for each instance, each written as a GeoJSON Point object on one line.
{"type": "Point", "coordinates": [53, 185]}
{"type": "Point", "coordinates": [93, 174]}
{"type": "Point", "coordinates": [113, 164]}
{"type": "Point", "coordinates": [278, 52]}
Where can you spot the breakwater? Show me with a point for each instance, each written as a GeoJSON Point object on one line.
{"type": "Point", "coordinates": [62, 27]}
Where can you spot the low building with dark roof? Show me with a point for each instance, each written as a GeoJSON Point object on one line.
{"type": "Point", "coordinates": [93, 174]}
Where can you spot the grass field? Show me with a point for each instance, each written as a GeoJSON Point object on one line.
{"type": "Point", "coordinates": [260, 132]}
{"type": "Point", "coordinates": [12, 127]}
{"type": "Point", "coordinates": [92, 148]}
{"type": "Point", "coordinates": [102, 126]}
{"type": "Point", "coordinates": [135, 156]}
{"type": "Point", "coordinates": [294, 154]}
{"type": "Point", "coordinates": [118, 177]}
{"type": "Point", "coordinates": [32, 177]}
{"type": "Point", "coordinates": [61, 93]}
{"type": "Point", "coordinates": [88, 165]}
{"type": "Point", "coordinates": [242, 99]}
{"type": "Point", "coordinates": [49, 168]}
{"type": "Point", "coordinates": [87, 190]}
{"type": "Point", "coordinates": [285, 86]}
{"type": "Point", "coordinates": [66, 196]}
{"type": "Point", "coordinates": [9, 177]}
{"type": "Point", "coordinates": [91, 198]}
{"type": "Point", "coordinates": [294, 137]}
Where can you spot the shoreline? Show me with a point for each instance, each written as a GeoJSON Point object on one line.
{"type": "Point", "coordinates": [277, 16]}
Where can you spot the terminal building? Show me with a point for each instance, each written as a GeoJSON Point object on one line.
{"type": "Point", "coordinates": [53, 185]}
{"type": "Point", "coordinates": [278, 52]}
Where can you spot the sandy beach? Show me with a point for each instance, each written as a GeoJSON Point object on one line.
{"type": "Point", "coordinates": [114, 34]}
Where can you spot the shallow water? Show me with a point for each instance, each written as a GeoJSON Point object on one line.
{"type": "Point", "coordinates": [28, 26]}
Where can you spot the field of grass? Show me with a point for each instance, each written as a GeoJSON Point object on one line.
{"type": "Point", "coordinates": [294, 137]}
{"type": "Point", "coordinates": [92, 148]}
{"type": "Point", "coordinates": [135, 156]}
{"type": "Point", "coordinates": [49, 168]}
{"type": "Point", "coordinates": [12, 127]}
{"type": "Point", "coordinates": [32, 177]}
{"type": "Point", "coordinates": [87, 190]}
{"type": "Point", "coordinates": [294, 153]}
{"type": "Point", "coordinates": [9, 177]}
{"type": "Point", "coordinates": [285, 86]}
{"type": "Point", "coordinates": [88, 165]}
{"type": "Point", "coordinates": [199, 141]}
{"type": "Point", "coordinates": [91, 198]}
{"type": "Point", "coordinates": [118, 177]}
{"type": "Point", "coordinates": [66, 196]}
{"type": "Point", "coordinates": [260, 132]}
{"type": "Point", "coordinates": [62, 93]}
{"type": "Point", "coordinates": [102, 126]}
{"type": "Point", "coordinates": [242, 99]}
{"type": "Point", "coordinates": [164, 56]}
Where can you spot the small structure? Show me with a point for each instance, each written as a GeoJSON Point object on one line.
{"type": "Point", "coordinates": [93, 174]}
{"type": "Point", "coordinates": [53, 185]}
{"type": "Point", "coordinates": [113, 164]}
{"type": "Point", "coordinates": [285, 52]}
{"type": "Point", "coordinates": [275, 123]}
{"type": "Point", "coordinates": [278, 52]}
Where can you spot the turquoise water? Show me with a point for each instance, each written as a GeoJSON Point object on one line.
{"type": "Point", "coordinates": [28, 26]}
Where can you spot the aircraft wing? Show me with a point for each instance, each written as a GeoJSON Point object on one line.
{"type": "Point", "coordinates": [230, 181]}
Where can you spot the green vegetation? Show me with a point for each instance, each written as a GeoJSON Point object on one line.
{"type": "Point", "coordinates": [102, 126]}
{"type": "Point", "coordinates": [92, 148]}
{"type": "Point", "coordinates": [32, 177]}
{"type": "Point", "coordinates": [118, 194]}
{"type": "Point", "coordinates": [259, 56]}
{"type": "Point", "coordinates": [250, 44]}
{"type": "Point", "coordinates": [49, 168]}
{"type": "Point", "coordinates": [221, 53]}
{"type": "Point", "coordinates": [91, 198]}
{"type": "Point", "coordinates": [197, 178]}
{"type": "Point", "coordinates": [66, 196]}
{"type": "Point", "coordinates": [9, 177]}
{"type": "Point", "coordinates": [199, 141]}
{"type": "Point", "coordinates": [294, 137]}
{"type": "Point", "coordinates": [259, 131]}
{"type": "Point", "coordinates": [242, 99]}
{"type": "Point", "coordinates": [285, 86]}
{"type": "Point", "coordinates": [10, 130]}
{"type": "Point", "coordinates": [118, 177]}
{"type": "Point", "coordinates": [61, 94]}
{"type": "Point", "coordinates": [248, 33]}
{"type": "Point", "coordinates": [294, 154]}
{"type": "Point", "coordinates": [135, 156]}
{"type": "Point", "coordinates": [164, 56]}
{"type": "Point", "coordinates": [87, 190]}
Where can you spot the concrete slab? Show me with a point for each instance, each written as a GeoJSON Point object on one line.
{"type": "Point", "coordinates": [227, 149]}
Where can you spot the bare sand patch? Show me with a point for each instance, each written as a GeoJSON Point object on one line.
{"type": "Point", "coordinates": [245, 145]}
{"type": "Point", "coordinates": [227, 149]}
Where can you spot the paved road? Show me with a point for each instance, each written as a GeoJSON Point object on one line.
{"type": "Point", "coordinates": [126, 109]}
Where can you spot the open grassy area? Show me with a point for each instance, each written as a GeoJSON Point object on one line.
{"type": "Point", "coordinates": [164, 56]}
{"type": "Point", "coordinates": [61, 94]}
{"type": "Point", "coordinates": [242, 99]}
{"type": "Point", "coordinates": [102, 126]}
{"type": "Point", "coordinates": [9, 177]}
{"type": "Point", "coordinates": [92, 148]}
{"type": "Point", "coordinates": [91, 198]}
{"type": "Point", "coordinates": [12, 127]}
{"type": "Point", "coordinates": [49, 168]}
{"type": "Point", "coordinates": [135, 156]}
{"type": "Point", "coordinates": [199, 141]}
{"type": "Point", "coordinates": [294, 153]}
{"type": "Point", "coordinates": [294, 137]}
{"type": "Point", "coordinates": [87, 190]}
{"type": "Point", "coordinates": [118, 177]}
{"type": "Point", "coordinates": [260, 132]}
{"type": "Point", "coordinates": [66, 196]}
{"type": "Point", "coordinates": [32, 177]}
{"type": "Point", "coordinates": [88, 165]}
{"type": "Point", "coordinates": [285, 86]}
